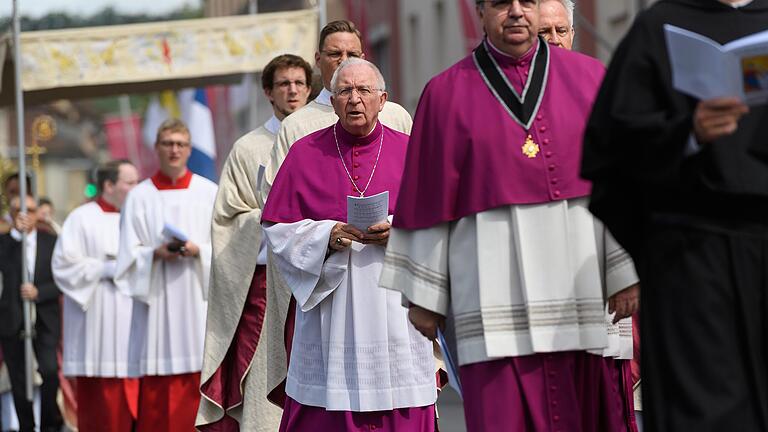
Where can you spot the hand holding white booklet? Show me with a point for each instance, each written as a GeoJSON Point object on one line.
{"type": "Point", "coordinates": [173, 233]}
{"type": "Point", "coordinates": [705, 69]}
{"type": "Point", "coordinates": [362, 212]}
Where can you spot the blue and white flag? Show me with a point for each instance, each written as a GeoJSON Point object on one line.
{"type": "Point", "coordinates": [199, 119]}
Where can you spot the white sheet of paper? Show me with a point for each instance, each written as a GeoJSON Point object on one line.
{"type": "Point", "coordinates": [171, 232]}
{"type": "Point", "coordinates": [705, 69]}
{"type": "Point", "coordinates": [367, 211]}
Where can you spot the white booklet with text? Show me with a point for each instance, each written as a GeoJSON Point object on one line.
{"type": "Point", "coordinates": [705, 69]}
{"type": "Point", "coordinates": [362, 212]}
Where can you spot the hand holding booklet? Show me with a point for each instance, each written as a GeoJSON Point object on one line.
{"type": "Point", "coordinates": [362, 212]}
{"type": "Point", "coordinates": [705, 69]}
{"type": "Point", "coordinates": [173, 233]}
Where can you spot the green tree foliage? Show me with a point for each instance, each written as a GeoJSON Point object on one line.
{"type": "Point", "coordinates": [107, 16]}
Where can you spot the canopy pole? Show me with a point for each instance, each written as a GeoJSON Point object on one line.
{"type": "Point", "coordinates": [27, 335]}
{"type": "Point", "coordinates": [253, 82]}
{"type": "Point", "coordinates": [322, 12]}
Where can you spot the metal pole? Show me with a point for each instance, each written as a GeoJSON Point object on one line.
{"type": "Point", "coordinates": [253, 82]}
{"type": "Point", "coordinates": [323, 12]}
{"type": "Point", "coordinates": [23, 196]}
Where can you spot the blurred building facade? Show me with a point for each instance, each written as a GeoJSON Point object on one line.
{"type": "Point", "coordinates": [410, 40]}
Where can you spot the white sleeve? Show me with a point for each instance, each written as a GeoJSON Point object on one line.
{"type": "Point", "coordinates": [299, 250]}
{"type": "Point", "coordinates": [133, 275]}
{"type": "Point", "coordinates": [76, 274]}
{"type": "Point", "coordinates": [205, 257]}
{"type": "Point", "coordinates": [619, 268]}
{"type": "Point", "coordinates": [416, 264]}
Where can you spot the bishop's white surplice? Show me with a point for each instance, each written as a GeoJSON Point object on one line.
{"type": "Point", "coordinates": [353, 347]}
{"type": "Point", "coordinates": [542, 272]}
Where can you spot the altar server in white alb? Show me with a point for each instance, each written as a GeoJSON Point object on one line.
{"type": "Point", "coordinates": [164, 264]}
{"type": "Point", "coordinates": [96, 316]}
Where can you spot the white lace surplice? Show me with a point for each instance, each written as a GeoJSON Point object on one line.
{"type": "Point", "coordinates": [353, 347]}
{"type": "Point", "coordinates": [519, 279]}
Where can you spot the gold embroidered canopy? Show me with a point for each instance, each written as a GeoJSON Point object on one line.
{"type": "Point", "coordinates": [101, 61]}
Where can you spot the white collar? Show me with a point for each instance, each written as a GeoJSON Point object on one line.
{"type": "Point", "coordinates": [31, 236]}
{"type": "Point", "coordinates": [324, 98]}
{"type": "Point", "coordinates": [272, 125]}
{"type": "Point", "coordinates": [738, 4]}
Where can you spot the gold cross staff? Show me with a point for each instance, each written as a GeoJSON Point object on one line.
{"type": "Point", "coordinates": [43, 129]}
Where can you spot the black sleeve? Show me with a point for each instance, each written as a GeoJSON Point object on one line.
{"type": "Point", "coordinates": [639, 125]}
{"type": "Point", "coordinates": [3, 254]}
{"type": "Point", "coordinates": [637, 132]}
{"type": "Point", "coordinates": [759, 147]}
{"type": "Point", "coordinates": [47, 291]}
{"type": "Point", "coordinates": [46, 286]}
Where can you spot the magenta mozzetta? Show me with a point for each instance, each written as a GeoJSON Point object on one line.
{"type": "Point", "coordinates": [300, 192]}
{"type": "Point", "coordinates": [467, 152]}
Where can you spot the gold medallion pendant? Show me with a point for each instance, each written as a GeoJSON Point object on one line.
{"type": "Point", "coordinates": [530, 148]}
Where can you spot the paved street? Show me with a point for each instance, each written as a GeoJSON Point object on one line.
{"type": "Point", "coordinates": [451, 411]}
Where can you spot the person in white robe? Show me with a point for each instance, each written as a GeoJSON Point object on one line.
{"type": "Point", "coordinates": [355, 358]}
{"type": "Point", "coordinates": [164, 264]}
{"type": "Point", "coordinates": [96, 316]}
{"type": "Point", "coordinates": [234, 367]}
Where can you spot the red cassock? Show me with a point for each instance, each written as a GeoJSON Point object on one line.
{"type": "Point", "coordinates": [225, 386]}
{"type": "Point", "coordinates": [108, 404]}
{"type": "Point", "coordinates": [168, 403]}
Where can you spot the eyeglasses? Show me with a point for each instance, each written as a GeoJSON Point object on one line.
{"type": "Point", "coordinates": [503, 5]}
{"type": "Point", "coordinates": [560, 31]}
{"type": "Point", "coordinates": [363, 91]}
{"type": "Point", "coordinates": [337, 55]}
{"type": "Point", "coordinates": [287, 84]}
{"type": "Point", "coordinates": [171, 143]}
{"type": "Point", "coordinates": [16, 210]}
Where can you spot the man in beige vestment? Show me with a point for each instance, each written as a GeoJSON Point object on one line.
{"type": "Point", "coordinates": [233, 391]}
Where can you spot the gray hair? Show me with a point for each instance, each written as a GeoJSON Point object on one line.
{"type": "Point", "coordinates": [569, 8]}
{"type": "Point", "coordinates": [351, 61]}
